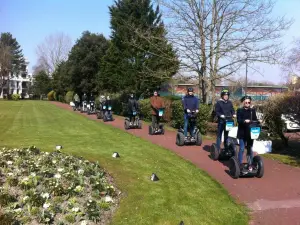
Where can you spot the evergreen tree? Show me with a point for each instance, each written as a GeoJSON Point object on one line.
{"type": "Point", "coordinates": [140, 57]}
{"type": "Point", "coordinates": [17, 58]}
{"type": "Point", "coordinates": [42, 83]}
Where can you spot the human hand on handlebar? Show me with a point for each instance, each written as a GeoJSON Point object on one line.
{"type": "Point", "coordinates": [234, 115]}
{"type": "Point", "coordinates": [188, 110]}
{"type": "Point", "coordinates": [197, 110]}
{"type": "Point", "coordinates": [222, 116]}
{"type": "Point", "coordinates": [247, 121]}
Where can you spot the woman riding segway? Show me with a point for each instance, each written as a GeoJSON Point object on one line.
{"type": "Point", "coordinates": [157, 103]}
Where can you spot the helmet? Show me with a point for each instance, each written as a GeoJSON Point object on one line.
{"type": "Point", "coordinates": [246, 97]}
{"type": "Point", "coordinates": [224, 92]}
{"type": "Point", "coordinates": [190, 89]}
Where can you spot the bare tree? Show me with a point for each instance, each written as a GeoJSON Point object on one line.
{"type": "Point", "coordinates": [53, 51]}
{"type": "Point", "coordinates": [211, 36]}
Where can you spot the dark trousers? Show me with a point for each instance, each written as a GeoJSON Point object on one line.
{"type": "Point", "coordinates": [155, 121]}
{"type": "Point", "coordinates": [221, 128]}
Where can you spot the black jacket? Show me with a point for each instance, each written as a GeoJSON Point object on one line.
{"type": "Point", "coordinates": [132, 105]}
{"type": "Point", "coordinates": [243, 128]}
{"type": "Point", "coordinates": [224, 108]}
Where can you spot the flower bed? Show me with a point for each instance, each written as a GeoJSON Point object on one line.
{"type": "Point", "coordinates": [53, 188]}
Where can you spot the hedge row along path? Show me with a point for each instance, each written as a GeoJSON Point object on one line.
{"type": "Point", "coordinates": [273, 199]}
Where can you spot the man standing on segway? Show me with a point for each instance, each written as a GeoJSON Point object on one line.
{"type": "Point", "coordinates": [224, 108]}
{"type": "Point", "coordinates": [190, 103]}
{"type": "Point", "coordinates": [132, 107]}
{"type": "Point", "coordinates": [156, 103]}
{"type": "Point", "coordinates": [76, 101]}
{"type": "Point", "coordinates": [245, 115]}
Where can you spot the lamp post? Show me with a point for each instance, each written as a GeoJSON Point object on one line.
{"type": "Point", "coordinates": [246, 84]}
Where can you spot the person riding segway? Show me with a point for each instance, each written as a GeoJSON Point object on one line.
{"type": "Point", "coordinates": [76, 102]}
{"type": "Point", "coordinates": [225, 113]}
{"type": "Point", "coordinates": [191, 110]}
{"type": "Point", "coordinates": [84, 103]}
{"type": "Point", "coordinates": [157, 107]}
{"type": "Point", "coordinates": [91, 109]}
{"type": "Point", "coordinates": [249, 129]}
{"type": "Point", "coordinates": [133, 120]}
{"type": "Point", "coordinates": [102, 107]}
{"type": "Point", "coordinates": [108, 110]}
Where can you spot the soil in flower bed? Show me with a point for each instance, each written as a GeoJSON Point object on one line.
{"type": "Point", "coordinates": [54, 188]}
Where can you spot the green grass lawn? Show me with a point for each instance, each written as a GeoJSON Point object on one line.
{"type": "Point", "coordinates": [183, 193]}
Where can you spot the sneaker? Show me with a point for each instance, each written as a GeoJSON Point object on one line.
{"type": "Point", "coordinates": [130, 123]}
{"type": "Point", "coordinates": [250, 168]}
{"type": "Point", "coordinates": [185, 138]}
{"type": "Point", "coordinates": [193, 139]}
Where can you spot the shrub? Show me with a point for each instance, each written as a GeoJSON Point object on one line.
{"type": "Point", "coordinates": [15, 97]}
{"type": "Point", "coordinates": [202, 119]}
{"type": "Point", "coordinates": [50, 95]}
{"type": "Point", "coordinates": [69, 96]}
{"type": "Point", "coordinates": [145, 109]}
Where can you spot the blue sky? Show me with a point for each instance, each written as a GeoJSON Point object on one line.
{"type": "Point", "coordinates": [30, 21]}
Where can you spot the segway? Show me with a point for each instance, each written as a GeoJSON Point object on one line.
{"type": "Point", "coordinates": [84, 107]}
{"type": "Point", "coordinates": [101, 111]}
{"type": "Point", "coordinates": [196, 139]}
{"type": "Point", "coordinates": [230, 149]}
{"type": "Point", "coordinates": [257, 167]}
{"type": "Point", "coordinates": [107, 116]}
{"type": "Point", "coordinates": [91, 109]}
{"type": "Point", "coordinates": [160, 129]}
{"type": "Point", "coordinates": [137, 123]}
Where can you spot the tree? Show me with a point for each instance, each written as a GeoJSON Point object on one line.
{"type": "Point", "coordinates": [16, 58]}
{"type": "Point", "coordinates": [52, 51]}
{"type": "Point", "coordinates": [42, 83]}
{"type": "Point", "coordinates": [212, 36]}
{"type": "Point", "coordinates": [134, 60]}
{"type": "Point", "coordinates": [5, 63]}
{"type": "Point", "coordinates": [84, 62]}
{"type": "Point", "coordinates": [62, 81]}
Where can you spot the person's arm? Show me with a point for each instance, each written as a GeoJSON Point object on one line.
{"type": "Point", "coordinates": [197, 103]}
{"type": "Point", "coordinates": [184, 103]}
{"type": "Point", "coordinates": [254, 117]}
{"type": "Point", "coordinates": [232, 110]}
{"type": "Point", "coordinates": [152, 102]}
{"type": "Point", "coordinates": [240, 117]}
{"type": "Point", "coordinates": [218, 109]}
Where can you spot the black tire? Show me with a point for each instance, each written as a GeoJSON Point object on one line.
{"type": "Point", "coordinates": [234, 168]}
{"type": "Point", "coordinates": [88, 112]}
{"type": "Point", "coordinates": [162, 130]}
{"type": "Point", "coordinates": [214, 153]}
{"type": "Point", "coordinates": [104, 118]}
{"type": "Point", "coordinates": [199, 139]}
{"type": "Point", "coordinates": [126, 124]}
{"type": "Point", "coordinates": [180, 139]}
{"type": "Point", "coordinates": [100, 115]}
{"type": "Point", "coordinates": [258, 161]}
{"type": "Point", "coordinates": [150, 130]}
{"type": "Point", "coordinates": [140, 125]}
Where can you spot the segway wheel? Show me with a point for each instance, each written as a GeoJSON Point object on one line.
{"type": "Point", "coordinates": [140, 124]}
{"type": "Point", "coordinates": [162, 130]}
{"type": "Point", "coordinates": [180, 139]}
{"type": "Point", "coordinates": [234, 168]}
{"type": "Point", "coordinates": [104, 118]}
{"type": "Point", "coordinates": [151, 130]}
{"type": "Point", "coordinates": [258, 162]}
{"type": "Point", "coordinates": [199, 139]}
{"type": "Point", "coordinates": [214, 153]}
{"type": "Point", "coordinates": [88, 112]}
{"type": "Point", "coordinates": [126, 124]}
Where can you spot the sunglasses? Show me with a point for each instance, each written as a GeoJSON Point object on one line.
{"type": "Point", "coordinates": [247, 102]}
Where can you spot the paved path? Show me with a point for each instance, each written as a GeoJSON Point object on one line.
{"type": "Point", "coordinates": [273, 199]}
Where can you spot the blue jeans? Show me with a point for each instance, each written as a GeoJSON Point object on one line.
{"type": "Point", "coordinates": [186, 125]}
{"type": "Point", "coordinates": [242, 143]}
{"type": "Point", "coordinates": [221, 128]}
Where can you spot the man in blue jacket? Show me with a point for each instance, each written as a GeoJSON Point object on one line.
{"type": "Point", "coordinates": [190, 103]}
{"type": "Point", "coordinates": [224, 108]}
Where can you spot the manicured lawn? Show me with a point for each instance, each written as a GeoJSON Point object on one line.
{"type": "Point", "coordinates": [183, 192]}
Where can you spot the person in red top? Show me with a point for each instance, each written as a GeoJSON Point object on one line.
{"type": "Point", "coordinates": [156, 103]}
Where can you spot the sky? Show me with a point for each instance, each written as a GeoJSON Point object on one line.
{"type": "Point", "coordinates": [31, 21]}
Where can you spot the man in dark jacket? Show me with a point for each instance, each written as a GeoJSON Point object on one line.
{"type": "Point", "coordinates": [156, 103]}
{"type": "Point", "coordinates": [190, 103]}
{"type": "Point", "coordinates": [224, 108]}
{"type": "Point", "coordinates": [245, 115]}
{"type": "Point", "coordinates": [132, 107]}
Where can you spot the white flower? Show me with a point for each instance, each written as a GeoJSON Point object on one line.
{"type": "Point", "coordinates": [54, 161]}
{"type": "Point", "coordinates": [80, 171]}
{"type": "Point", "coordinates": [60, 169]}
{"type": "Point", "coordinates": [46, 205]}
{"type": "Point", "coordinates": [47, 153]}
{"type": "Point", "coordinates": [108, 199]}
{"type": "Point", "coordinates": [75, 209]}
{"type": "Point", "coordinates": [33, 174]}
{"type": "Point", "coordinates": [25, 198]}
{"type": "Point", "coordinates": [45, 195]}
{"type": "Point", "coordinates": [10, 174]}
{"type": "Point", "coordinates": [9, 162]}
{"type": "Point", "coordinates": [18, 210]}
{"type": "Point", "coordinates": [83, 222]}
{"type": "Point", "coordinates": [25, 179]}
{"type": "Point", "coordinates": [57, 176]}
{"type": "Point", "coordinates": [90, 200]}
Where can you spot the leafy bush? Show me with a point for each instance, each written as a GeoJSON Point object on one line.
{"type": "Point", "coordinates": [145, 109]}
{"type": "Point", "coordinates": [177, 115]}
{"type": "Point", "coordinates": [15, 97]}
{"type": "Point", "coordinates": [69, 96]}
{"type": "Point", "coordinates": [51, 95]}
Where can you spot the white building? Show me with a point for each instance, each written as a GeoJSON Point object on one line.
{"type": "Point", "coordinates": [18, 83]}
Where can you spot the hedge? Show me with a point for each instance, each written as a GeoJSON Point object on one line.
{"type": "Point", "coordinates": [15, 97]}
{"type": "Point", "coordinates": [69, 96]}
{"type": "Point", "coordinates": [51, 95]}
